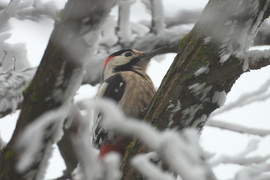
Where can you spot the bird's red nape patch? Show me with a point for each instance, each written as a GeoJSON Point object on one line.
{"type": "Point", "coordinates": [107, 148]}
{"type": "Point", "coordinates": [106, 61]}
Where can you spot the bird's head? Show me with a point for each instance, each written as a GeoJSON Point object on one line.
{"type": "Point", "coordinates": [128, 60]}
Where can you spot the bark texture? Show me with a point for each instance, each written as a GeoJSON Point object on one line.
{"type": "Point", "coordinates": [207, 65]}
{"type": "Point", "coordinates": [54, 83]}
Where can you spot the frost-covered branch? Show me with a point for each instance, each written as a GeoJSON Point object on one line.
{"type": "Point", "coordinates": [31, 147]}
{"type": "Point", "coordinates": [258, 59]}
{"type": "Point", "coordinates": [8, 12]}
{"type": "Point", "coordinates": [208, 63]}
{"type": "Point", "coordinates": [59, 75]}
{"type": "Point", "coordinates": [183, 17]}
{"type": "Point", "coordinates": [39, 10]}
{"type": "Point", "coordinates": [90, 166]}
{"type": "Point", "coordinates": [12, 85]}
{"type": "Point", "coordinates": [124, 24]}
{"type": "Point", "coordinates": [237, 128]}
{"type": "Point", "coordinates": [143, 164]}
{"type": "Point", "coordinates": [260, 171]}
{"type": "Point", "coordinates": [157, 13]}
{"type": "Point", "coordinates": [168, 37]}
{"type": "Point", "coordinates": [28, 9]}
{"type": "Point", "coordinates": [259, 95]}
{"type": "Point", "coordinates": [85, 153]}
{"type": "Point", "coordinates": [253, 17]}
{"type": "Point", "coordinates": [173, 148]}
{"type": "Point", "coordinates": [243, 157]}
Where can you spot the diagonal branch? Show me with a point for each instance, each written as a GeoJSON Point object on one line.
{"type": "Point", "coordinates": [207, 65]}
{"type": "Point", "coordinates": [237, 128]}
{"type": "Point", "coordinates": [58, 77]}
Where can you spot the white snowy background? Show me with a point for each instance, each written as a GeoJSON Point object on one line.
{"type": "Point", "coordinates": [35, 36]}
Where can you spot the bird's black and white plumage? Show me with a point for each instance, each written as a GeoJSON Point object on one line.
{"type": "Point", "coordinates": [126, 82]}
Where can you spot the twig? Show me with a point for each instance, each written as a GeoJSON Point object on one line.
{"type": "Point", "coordinates": [124, 29]}
{"type": "Point", "coordinates": [237, 128]}
{"type": "Point", "coordinates": [157, 13]}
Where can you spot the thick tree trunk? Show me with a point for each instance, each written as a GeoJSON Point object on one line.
{"type": "Point", "coordinates": [37, 96]}
{"type": "Point", "coordinates": [57, 78]}
{"type": "Point", "coordinates": [209, 61]}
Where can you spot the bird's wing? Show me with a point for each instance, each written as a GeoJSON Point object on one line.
{"type": "Point", "coordinates": [115, 87]}
{"type": "Point", "coordinates": [112, 88]}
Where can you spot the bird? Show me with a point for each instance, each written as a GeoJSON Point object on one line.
{"type": "Point", "coordinates": [125, 81]}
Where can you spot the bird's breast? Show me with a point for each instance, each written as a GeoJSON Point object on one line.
{"type": "Point", "coordinates": [139, 91]}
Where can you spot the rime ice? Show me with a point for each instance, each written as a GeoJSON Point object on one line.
{"type": "Point", "coordinates": [219, 98]}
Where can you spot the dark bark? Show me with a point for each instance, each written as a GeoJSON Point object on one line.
{"type": "Point", "coordinates": [67, 152]}
{"type": "Point", "coordinates": [178, 86]}
{"type": "Point", "coordinates": [66, 46]}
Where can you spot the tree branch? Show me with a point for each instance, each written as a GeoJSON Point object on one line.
{"type": "Point", "coordinates": [183, 17]}
{"type": "Point", "coordinates": [58, 76]}
{"type": "Point", "coordinates": [157, 13]}
{"type": "Point", "coordinates": [196, 94]}
{"type": "Point", "coordinates": [93, 68]}
{"type": "Point", "coordinates": [258, 59]}
{"type": "Point", "coordinates": [260, 94]}
{"type": "Point", "coordinates": [237, 128]}
{"type": "Point", "coordinates": [39, 10]}
{"type": "Point", "coordinates": [242, 157]}
{"type": "Point", "coordinates": [186, 98]}
{"type": "Point", "coordinates": [124, 26]}
{"type": "Point", "coordinates": [12, 86]}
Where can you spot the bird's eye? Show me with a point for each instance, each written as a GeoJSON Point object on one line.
{"type": "Point", "coordinates": [127, 54]}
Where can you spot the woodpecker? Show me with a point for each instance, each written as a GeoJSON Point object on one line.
{"type": "Point", "coordinates": [125, 81]}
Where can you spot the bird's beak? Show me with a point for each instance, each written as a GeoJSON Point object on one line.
{"type": "Point", "coordinates": [149, 55]}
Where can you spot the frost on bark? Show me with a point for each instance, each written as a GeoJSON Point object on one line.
{"type": "Point", "coordinates": [55, 82]}
{"type": "Point", "coordinates": [210, 58]}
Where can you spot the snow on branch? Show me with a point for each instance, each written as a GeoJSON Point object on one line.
{"type": "Point", "coordinates": [180, 152]}
{"type": "Point", "coordinates": [124, 25]}
{"type": "Point", "coordinates": [258, 59]}
{"type": "Point", "coordinates": [28, 9]}
{"type": "Point", "coordinates": [168, 37]}
{"type": "Point", "coordinates": [30, 145]}
{"type": "Point", "coordinates": [12, 56]}
{"type": "Point", "coordinates": [157, 12]}
{"type": "Point", "coordinates": [143, 164]}
{"type": "Point", "coordinates": [17, 6]}
{"type": "Point", "coordinates": [90, 167]}
{"type": "Point", "coordinates": [8, 12]}
{"type": "Point", "coordinates": [259, 95]}
{"type": "Point", "coordinates": [260, 171]}
{"type": "Point", "coordinates": [2, 144]}
{"type": "Point", "coordinates": [39, 10]}
{"type": "Point", "coordinates": [76, 28]}
{"type": "Point", "coordinates": [86, 154]}
{"type": "Point", "coordinates": [237, 128]}
{"type": "Point", "coordinates": [183, 17]}
{"type": "Point", "coordinates": [237, 26]}
{"type": "Point", "coordinates": [12, 84]}
{"type": "Point", "coordinates": [242, 158]}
